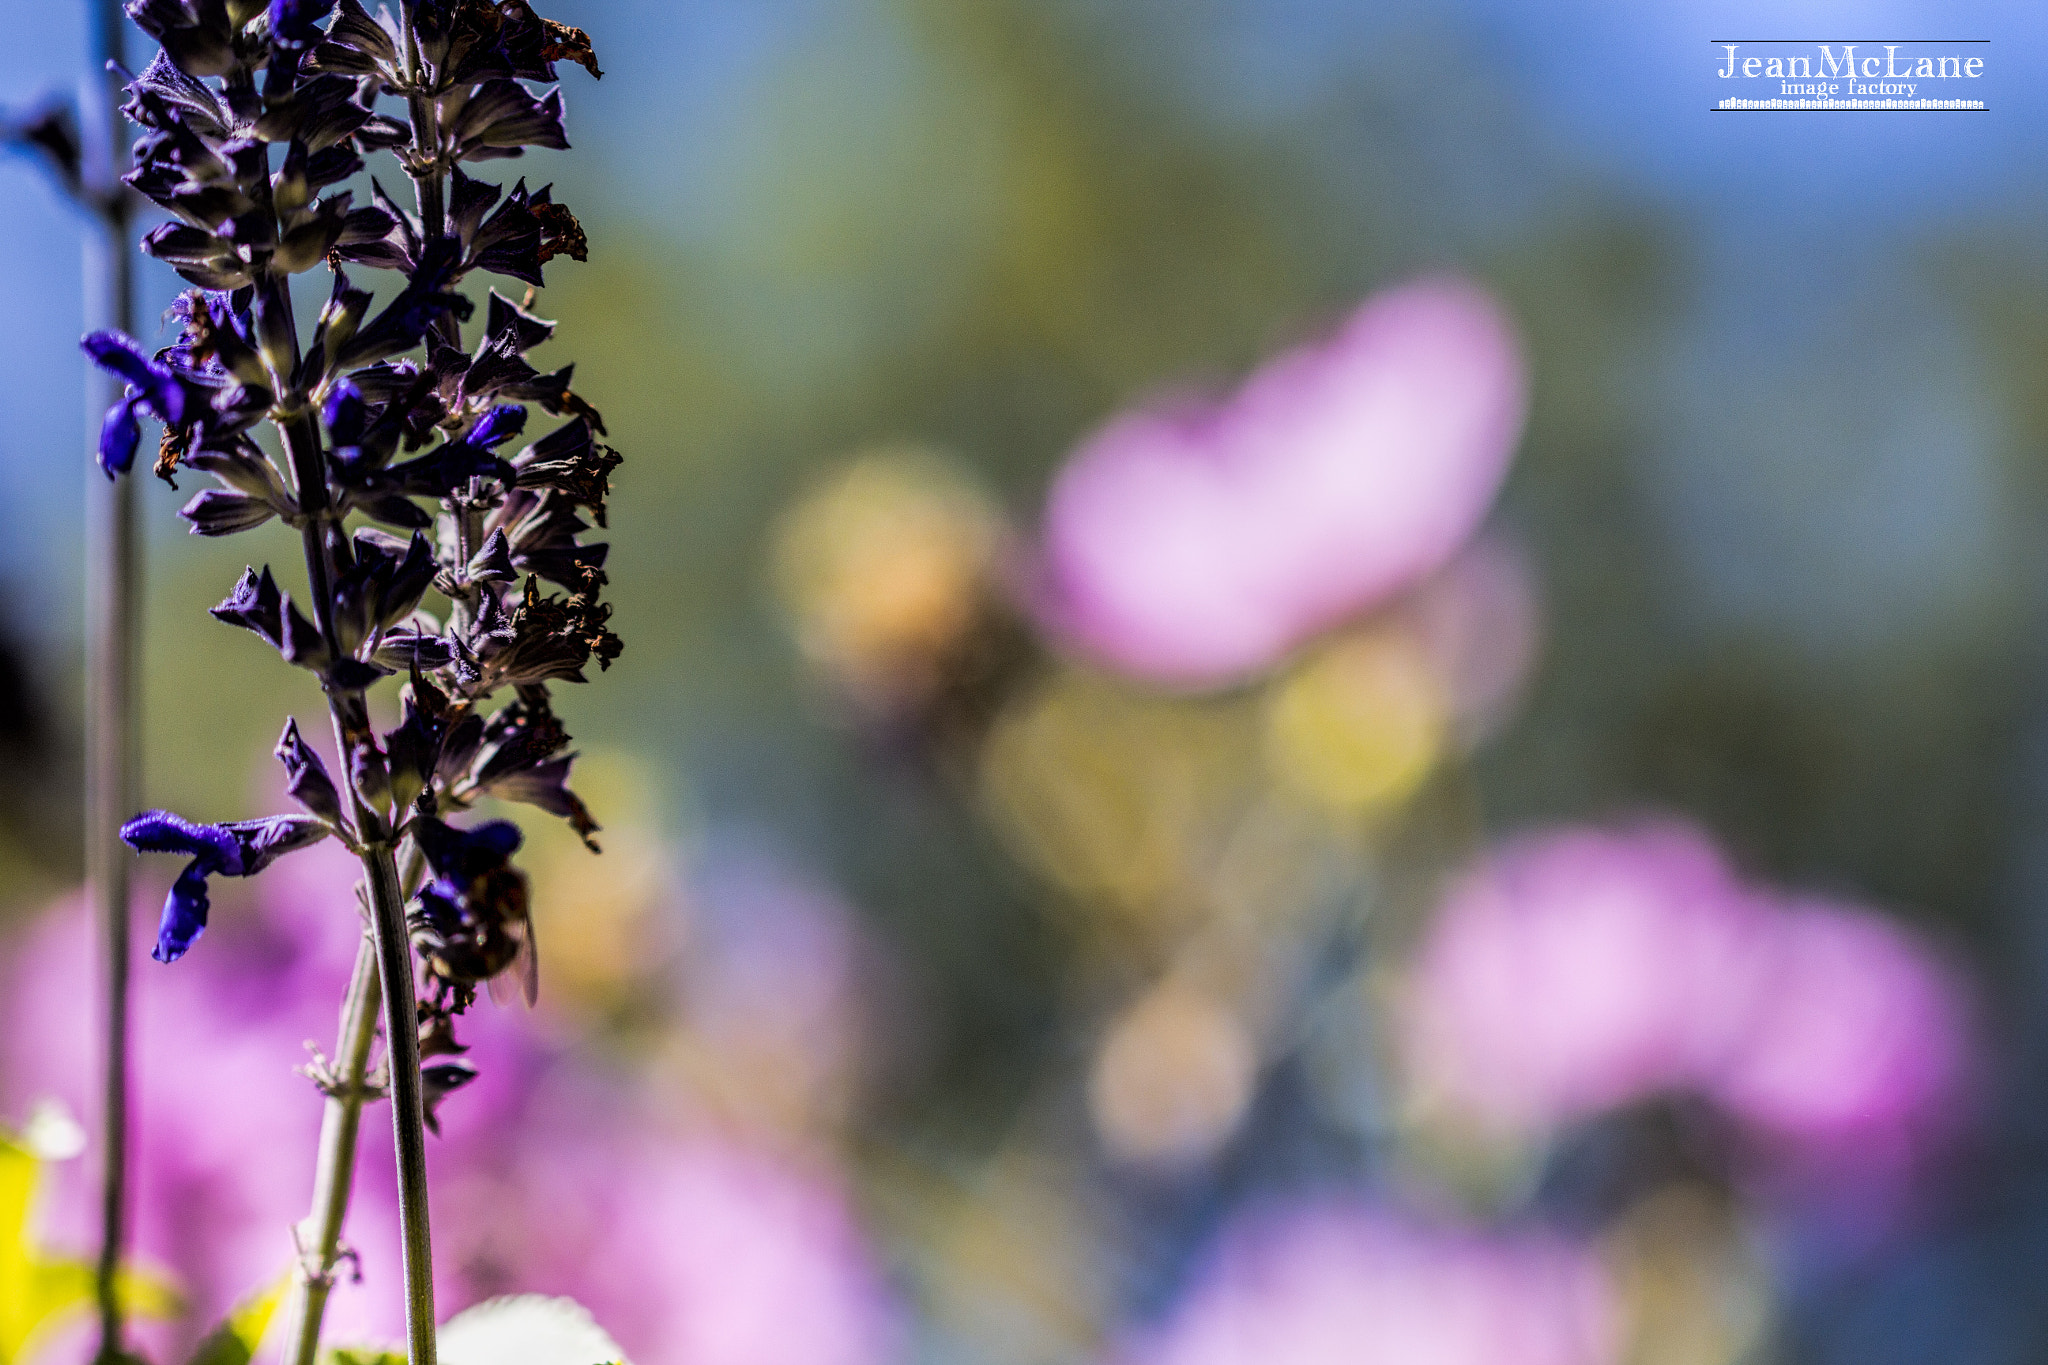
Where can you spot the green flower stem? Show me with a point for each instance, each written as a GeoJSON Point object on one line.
{"type": "Point", "coordinates": [408, 1107]}
{"type": "Point", "coordinates": [334, 1176]}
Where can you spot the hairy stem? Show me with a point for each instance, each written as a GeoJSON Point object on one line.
{"type": "Point", "coordinates": [112, 771]}
{"type": "Point", "coordinates": [401, 1009]}
{"type": "Point", "coordinates": [412, 45]}
{"type": "Point", "coordinates": [408, 1102]}
{"type": "Point", "coordinates": [334, 1176]}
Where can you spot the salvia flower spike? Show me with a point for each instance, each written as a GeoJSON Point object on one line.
{"type": "Point", "coordinates": [442, 488]}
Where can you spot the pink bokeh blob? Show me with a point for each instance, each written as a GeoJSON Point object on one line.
{"type": "Point", "coordinates": [1194, 545]}
{"type": "Point", "coordinates": [1340, 1284]}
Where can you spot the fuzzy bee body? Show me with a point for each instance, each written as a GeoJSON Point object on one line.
{"type": "Point", "coordinates": [473, 925]}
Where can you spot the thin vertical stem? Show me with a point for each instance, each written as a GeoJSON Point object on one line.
{"type": "Point", "coordinates": [334, 1175]}
{"type": "Point", "coordinates": [340, 1125]}
{"type": "Point", "coordinates": [387, 906]}
{"type": "Point", "coordinates": [408, 1101]}
{"type": "Point", "coordinates": [113, 573]}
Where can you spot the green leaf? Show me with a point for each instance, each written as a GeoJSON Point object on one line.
{"type": "Point", "coordinates": [234, 1342]}
{"type": "Point", "coordinates": [32, 1290]}
{"type": "Point", "coordinates": [362, 1355]}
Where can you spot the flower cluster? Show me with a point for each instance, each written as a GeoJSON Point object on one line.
{"type": "Point", "coordinates": [1581, 970]}
{"type": "Point", "coordinates": [438, 553]}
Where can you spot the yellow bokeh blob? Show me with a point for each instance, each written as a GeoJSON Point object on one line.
{"type": "Point", "coordinates": [1173, 1077]}
{"type": "Point", "coordinates": [1012, 1254]}
{"type": "Point", "coordinates": [1121, 798]}
{"type": "Point", "coordinates": [885, 567]}
{"type": "Point", "coordinates": [1360, 724]}
{"type": "Point", "coordinates": [1694, 1286]}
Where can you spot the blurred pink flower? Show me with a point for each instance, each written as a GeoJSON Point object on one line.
{"type": "Point", "coordinates": [1579, 969]}
{"type": "Point", "coordinates": [223, 1129]}
{"type": "Point", "coordinates": [1337, 1285]}
{"type": "Point", "coordinates": [1194, 545]}
{"type": "Point", "coordinates": [1857, 1058]}
{"type": "Point", "coordinates": [550, 1176]}
{"type": "Point", "coordinates": [1582, 969]}
{"type": "Point", "coordinates": [702, 1251]}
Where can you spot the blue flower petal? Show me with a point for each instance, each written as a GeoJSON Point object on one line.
{"type": "Point", "coordinates": [185, 912]}
{"type": "Point", "coordinates": [157, 386]}
{"type": "Point", "coordinates": [497, 426]}
{"type": "Point", "coordinates": [119, 355]}
{"type": "Point", "coordinates": [120, 435]}
{"type": "Point", "coordinates": [159, 831]}
{"type": "Point", "coordinates": [345, 414]}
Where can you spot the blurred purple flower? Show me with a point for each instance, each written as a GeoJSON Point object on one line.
{"type": "Point", "coordinates": [773, 996]}
{"type": "Point", "coordinates": [1580, 969]}
{"type": "Point", "coordinates": [1338, 1285]}
{"type": "Point", "coordinates": [703, 1251]}
{"type": "Point", "coordinates": [1197, 544]}
{"type": "Point", "coordinates": [223, 1130]}
{"type": "Point", "coordinates": [1856, 1063]}
{"type": "Point", "coordinates": [550, 1174]}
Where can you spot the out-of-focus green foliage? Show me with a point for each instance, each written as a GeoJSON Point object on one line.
{"type": "Point", "coordinates": [234, 1342]}
{"type": "Point", "coordinates": [983, 227]}
{"type": "Point", "coordinates": [38, 1289]}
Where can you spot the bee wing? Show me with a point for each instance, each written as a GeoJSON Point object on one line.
{"type": "Point", "coordinates": [525, 969]}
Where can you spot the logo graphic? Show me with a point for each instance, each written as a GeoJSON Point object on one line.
{"type": "Point", "coordinates": [1786, 76]}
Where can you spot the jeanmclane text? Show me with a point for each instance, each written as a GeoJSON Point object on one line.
{"type": "Point", "coordinates": [1845, 64]}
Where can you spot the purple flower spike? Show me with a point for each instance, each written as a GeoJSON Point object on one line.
{"type": "Point", "coordinates": [1196, 545]}
{"type": "Point", "coordinates": [253, 117]}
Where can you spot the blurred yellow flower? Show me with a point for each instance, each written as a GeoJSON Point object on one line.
{"type": "Point", "coordinates": [1121, 798]}
{"type": "Point", "coordinates": [1360, 724]}
{"type": "Point", "coordinates": [1695, 1290]}
{"type": "Point", "coordinates": [38, 1290]}
{"type": "Point", "coordinates": [1173, 1078]}
{"type": "Point", "coordinates": [886, 568]}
